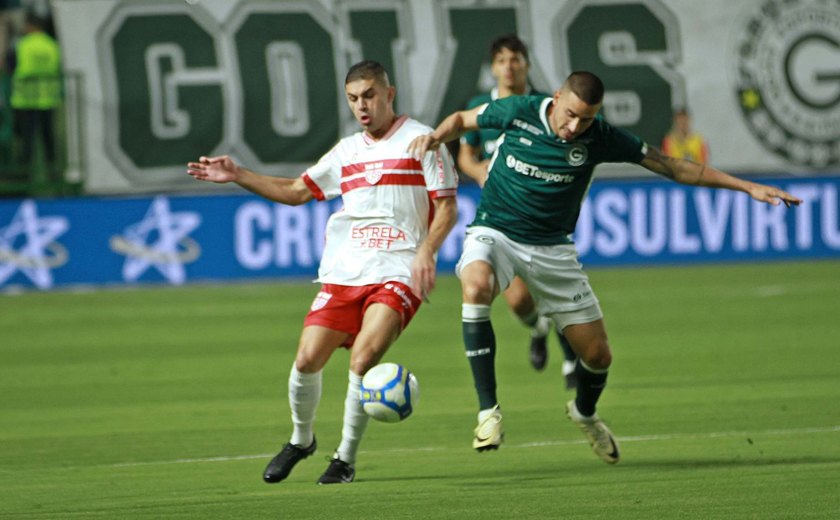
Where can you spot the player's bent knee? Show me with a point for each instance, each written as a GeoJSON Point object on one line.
{"type": "Point", "coordinates": [361, 362]}
{"type": "Point", "coordinates": [521, 306]}
{"type": "Point", "coordinates": [477, 292]}
{"type": "Point", "coordinates": [306, 365]}
{"type": "Point", "coordinates": [598, 357]}
{"type": "Point", "coordinates": [308, 361]}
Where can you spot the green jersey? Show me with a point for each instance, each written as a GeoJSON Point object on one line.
{"type": "Point", "coordinates": [484, 139]}
{"type": "Point", "coordinates": [537, 181]}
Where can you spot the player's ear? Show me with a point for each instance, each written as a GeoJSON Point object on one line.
{"type": "Point", "coordinates": [392, 93]}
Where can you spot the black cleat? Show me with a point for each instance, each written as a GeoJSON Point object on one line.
{"type": "Point", "coordinates": [338, 472]}
{"type": "Point", "coordinates": [281, 465]}
{"type": "Point", "coordinates": [539, 352]}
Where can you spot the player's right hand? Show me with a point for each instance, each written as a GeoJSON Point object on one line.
{"type": "Point", "coordinates": [219, 169]}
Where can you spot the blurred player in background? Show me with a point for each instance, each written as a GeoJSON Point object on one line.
{"type": "Point", "coordinates": [524, 221]}
{"type": "Point", "coordinates": [684, 143]}
{"type": "Point", "coordinates": [379, 259]}
{"type": "Point", "coordinates": [509, 64]}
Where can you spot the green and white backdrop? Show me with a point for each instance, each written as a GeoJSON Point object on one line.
{"type": "Point", "coordinates": [157, 83]}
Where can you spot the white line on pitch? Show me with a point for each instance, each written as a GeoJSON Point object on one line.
{"type": "Point", "coordinates": [637, 438]}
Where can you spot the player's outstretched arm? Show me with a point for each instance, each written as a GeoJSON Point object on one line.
{"type": "Point", "coordinates": [223, 169]}
{"type": "Point", "coordinates": [454, 126]}
{"type": "Point", "coordinates": [470, 165]}
{"type": "Point", "coordinates": [423, 267]}
{"type": "Point", "coordinates": [689, 172]}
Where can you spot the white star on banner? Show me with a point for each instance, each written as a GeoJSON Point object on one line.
{"type": "Point", "coordinates": [39, 253]}
{"type": "Point", "coordinates": [159, 240]}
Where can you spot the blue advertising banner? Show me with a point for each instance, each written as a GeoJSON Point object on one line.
{"type": "Point", "coordinates": [181, 239]}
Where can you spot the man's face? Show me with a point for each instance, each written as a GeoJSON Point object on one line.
{"type": "Point", "coordinates": [510, 69]}
{"type": "Point", "coordinates": [372, 104]}
{"type": "Point", "coordinates": [571, 116]}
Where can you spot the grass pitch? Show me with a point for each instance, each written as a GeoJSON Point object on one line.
{"type": "Point", "coordinates": [168, 402]}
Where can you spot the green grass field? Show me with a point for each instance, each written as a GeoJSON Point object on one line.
{"type": "Point", "coordinates": [168, 402]}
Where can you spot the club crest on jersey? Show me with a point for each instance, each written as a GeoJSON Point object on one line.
{"type": "Point", "coordinates": [577, 154]}
{"type": "Point", "coordinates": [373, 172]}
{"type": "Point", "coordinates": [320, 300]}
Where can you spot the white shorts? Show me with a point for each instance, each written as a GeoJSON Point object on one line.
{"type": "Point", "coordinates": [553, 274]}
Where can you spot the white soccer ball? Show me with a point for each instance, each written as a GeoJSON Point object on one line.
{"type": "Point", "coordinates": [389, 392]}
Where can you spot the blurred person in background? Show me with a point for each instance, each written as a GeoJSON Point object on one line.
{"type": "Point", "coordinates": [509, 64]}
{"type": "Point", "coordinates": [684, 143]}
{"type": "Point", "coordinates": [35, 66]}
{"type": "Point", "coordinates": [379, 260]}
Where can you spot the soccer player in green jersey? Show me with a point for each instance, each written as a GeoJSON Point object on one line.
{"type": "Point", "coordinates": [538, 178]}
{"type": "Point", "coordinates": [509, 64]}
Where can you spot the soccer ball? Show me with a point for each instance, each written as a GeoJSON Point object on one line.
{"type": "Point", "coordinates": [389, 392]}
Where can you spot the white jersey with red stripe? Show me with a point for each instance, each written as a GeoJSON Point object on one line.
{"type": "Point", "coordinates": [387, 199]}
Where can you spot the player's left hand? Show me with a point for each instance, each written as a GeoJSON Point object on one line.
{"type": "Point", "coordinates": [423, 274]}
{"type": "Point", "coordinates": [421, 144]}
{"type": "Point", "coordinates": [773, 196]}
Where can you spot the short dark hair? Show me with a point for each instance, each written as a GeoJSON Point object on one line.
{"type": "Point", "coordinates": [32, 18]}
{"type": "Point", "coordinates": [367, 69]}
{"type": "Point", "coordinates": [585, 85]}
{"type": "Point", "coordinates": [510, 42]}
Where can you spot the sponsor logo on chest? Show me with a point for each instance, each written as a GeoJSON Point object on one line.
{"type": "Point", "coordinates": [528, 127]}
{"type": "Point", "coordinates": [377, 237]}
{"type": "Point", "coordinates": [530, 170]}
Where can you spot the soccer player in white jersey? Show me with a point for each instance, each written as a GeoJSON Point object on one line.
{"type": "Point", "coordinates": [379, 260]}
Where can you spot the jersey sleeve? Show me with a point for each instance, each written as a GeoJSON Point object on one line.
{"type": "Point", "coordinates": [324, 178]}
{"type": "Point", "coordinates": [471, 138]}
{"type": "Point", "coordinates": [500, 113]}
{"type": "Point", "coordinates": [439, 172]}
{"type": "Point", "coordinates": [622, 146]}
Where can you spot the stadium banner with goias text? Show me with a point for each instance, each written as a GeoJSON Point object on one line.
{"type": "Point", "coordinates": [153, 84]}
{"type": "Point", "coordinates": [174, 240]}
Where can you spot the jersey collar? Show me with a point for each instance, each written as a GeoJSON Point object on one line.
{"type": "Point", "coordinates": [544, 115]}
{"type": "Point", "coordinates": [494, 92]}
{"type": "Point", "coordinates": [398, 122]}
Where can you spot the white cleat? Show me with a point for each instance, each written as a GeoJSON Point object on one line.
{"type": "Point", "coordinates": [489, 433]}
{"type": "Point", "coordinates": [599, 436]}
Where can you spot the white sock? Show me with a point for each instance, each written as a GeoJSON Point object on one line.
{"type": "Point", "coordinates": [355, 421]}
{"type": "Point", "coordinates": [483, 414]}
{"type": "Point", "coordinates": [542, 327]}
{"type": "Point", "coordinates": [304, 395]}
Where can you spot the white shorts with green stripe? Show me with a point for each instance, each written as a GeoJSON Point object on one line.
{"type": "Point", "coordinates": [553, 274]}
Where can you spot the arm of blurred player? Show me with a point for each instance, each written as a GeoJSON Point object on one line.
{"type": "Point", "coordinates": [470, 165]}
{"type": "Point", "coordinates": [688, 172]}
{"type": "Point", "coordinates": [454, 126]}
{"type": "Point", "coordinates": [222, 169]}
{"type": "Point", "coordinates": [423, 267]}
